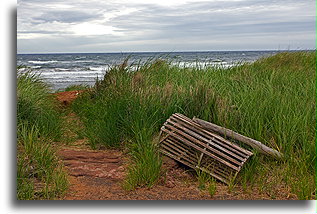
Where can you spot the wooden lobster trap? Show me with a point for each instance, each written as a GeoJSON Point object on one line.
{"type": "Point", "coordinates": [189, 143]}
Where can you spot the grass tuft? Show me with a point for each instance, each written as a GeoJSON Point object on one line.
{"type": "Point", "coordinates": [36, 106]}
{"type": "Point", "coordinates": [39, 174]}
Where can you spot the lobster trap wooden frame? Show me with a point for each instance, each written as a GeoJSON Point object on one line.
{"type": "Point", "coordinates": [189, 143]}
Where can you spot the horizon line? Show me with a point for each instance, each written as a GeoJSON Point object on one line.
{"type": "Point", "coordinates": [123, 52]}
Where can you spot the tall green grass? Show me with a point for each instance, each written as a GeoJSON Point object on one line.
{"type": "Point", "coordinates": [39, 174]}
{"type": "Point", "coordinates": [36, 106]}
{"type": "Point", "coordinates": [271, 100]}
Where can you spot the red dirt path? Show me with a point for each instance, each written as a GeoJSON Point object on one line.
{"type": "Point", "coordinates": [67, 97]}
{"type": "Point", "coordinates": [98, 175]}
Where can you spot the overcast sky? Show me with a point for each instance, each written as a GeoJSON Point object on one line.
{"type": "Point", "coordinates": [46, 26]}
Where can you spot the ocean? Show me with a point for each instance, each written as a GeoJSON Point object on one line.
{"type": "Point", "coordinates": [62, 70]}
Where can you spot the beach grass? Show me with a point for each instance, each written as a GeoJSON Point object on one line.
{"type": "Point", "coordinates": [36, 106]}
{"type": "Point", "coordinates": [39, 174]}
{"type": "Point", "coordinates": [271, 100]}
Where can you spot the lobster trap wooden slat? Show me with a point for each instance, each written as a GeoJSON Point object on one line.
{"type": "Point", "coordinates": [187, 142]}
{"type": "Point", "coordinates": [218, 149]}
{"type": "Point", "coordinates": [217, 138]}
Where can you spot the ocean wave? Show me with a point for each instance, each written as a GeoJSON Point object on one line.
{"type": "Point", "coordinates": [70, 81]}
{"type": "Point", "coordinates": [69, 78]}
{"type": "Point", "coordinates": [84, 61]}
{"type": "Point", "coordinates": [22, 69]}
{"type": "Point", "coordinates": [82, 57]}
{"type": "Point", "coordinates": [62, 69]}
{"type": "Point", "coordinates": [42, 62]}
{"type": "Point", "coordinates": [216, 60]}
{"type": "Point", "coordinates": [72, 73]}
{"type": "Point", "coordinates": [98, 68]}
{"type": "Point", "coordinates": [206, 64]}
{"type": "Point", "coordinates": [36, 67]}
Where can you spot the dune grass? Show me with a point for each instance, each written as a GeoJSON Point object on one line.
{"type": "Point", "coordinates": [39, 174]}
{"type": "Point", "coordinates": [271, 100]}
{"type": "Point", "coordinates": [36, 106]}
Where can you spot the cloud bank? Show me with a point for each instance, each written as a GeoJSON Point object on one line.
{"type": "Point", "coordinates": [119, 26]}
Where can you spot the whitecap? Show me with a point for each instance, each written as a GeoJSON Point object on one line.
{"type": "Point", "coordinates": [82, 57]}
{"type": "Point", "coordinates": [43, 62]}
{"type": "Point", "coordinates": [22, 69]}
{"type": "Point", "coordinates": [97, 68]}
{"type": "Point", "coordinates": [62, 69]}
{"type": "Point", "coordinates": [36, 67]}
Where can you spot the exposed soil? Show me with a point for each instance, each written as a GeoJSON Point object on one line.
{"type": "Point", "coordinates": [67, 97]}
{"type": "Point", "coordinates": [99, 175]}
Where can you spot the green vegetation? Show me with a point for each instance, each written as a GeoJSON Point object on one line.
{"type": "Point", "coordinates": [212, 187]}
{"type": "Point", "coordinates": [271, 100]}
{"type": "Point", "coordinates": [39, 175]}
{"type": "Point", "coordinates": [36, 106]}
{"type": "Point", "coordinates": [203, 178]}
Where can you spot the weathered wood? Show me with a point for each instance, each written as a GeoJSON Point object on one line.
{"type": "Point", "coordinates": [179, 156]}
{"type": "Point", "coordinates": [201, 150]}
{"type": "Point", "coordinates": [216, 137]}
{"type": "Point", "coordinates": [219, 150]}
{"type": "Point", "coordinates": [234, 135]}
{"type": "Point", "coordinates": [180, 150]}
{"type": "Point", "coordinates": [189, 143]}
{"type": "Point", "coordinates": [222, 147]}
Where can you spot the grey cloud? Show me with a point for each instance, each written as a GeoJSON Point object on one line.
{"type": "Point", "coordinates": [47, 32]}
{"type": "Point", "coordinates": [214, 18]}
{"type": "Point", "coordinates": [68, 16]}
{"type": "Point", "coordinates": [192, 26]}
